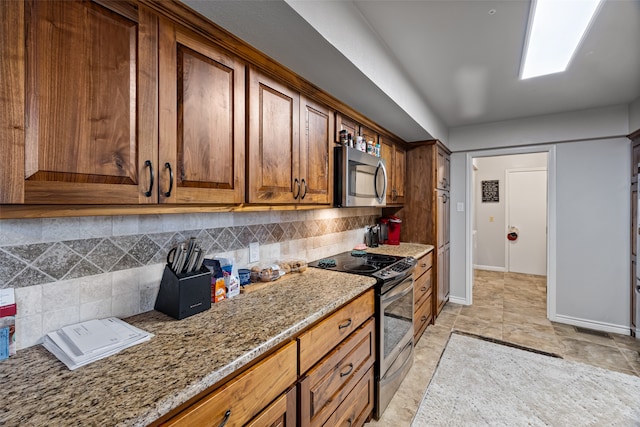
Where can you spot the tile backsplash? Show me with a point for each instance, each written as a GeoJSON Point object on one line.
{"type": "Point", "coordinates": [67, 270]}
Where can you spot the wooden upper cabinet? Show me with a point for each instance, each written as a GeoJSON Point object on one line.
{"type": "Point", "coordinates": [395, 160]}
{"type": "Point", "coordinates": [90, 103]}
{"type": "Point", "coordinates": [316, 156]}
{"type": "Point", "coordinates": [202, 120]}
{"type": "Point", "coordinates": [289, 145]}
{"type": "Point", "coordinates": [443, 173]}
{"type": "Point", "coordinates": [399, 175]}
{"type": "Point", "coordinates": [368, 134]}
{"type": "Point", "coordinates": [348, 124]}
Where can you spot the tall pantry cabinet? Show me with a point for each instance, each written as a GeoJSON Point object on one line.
{"type": "Point", "coordinates": [426, 212]}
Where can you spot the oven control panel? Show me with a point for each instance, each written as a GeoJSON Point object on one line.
{"type": "Point", "coordinates": [400, 268]}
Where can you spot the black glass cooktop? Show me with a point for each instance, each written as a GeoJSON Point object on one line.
{"type": "Point", "coordinates": [356, 262]}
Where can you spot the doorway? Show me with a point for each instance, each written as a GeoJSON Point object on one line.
{"type": "Point", "coordinates": [493, 215]}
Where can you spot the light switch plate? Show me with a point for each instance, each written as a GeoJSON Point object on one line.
{"type": "Point", "coordinates": [460, 206]}
{"type": "Point", "coordinates": [254, 252]}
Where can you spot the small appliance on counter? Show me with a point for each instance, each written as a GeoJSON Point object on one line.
{"type": "Point", "coordinates": [393, 234]}
{"type": "Point", "coordinates": [372, 236]}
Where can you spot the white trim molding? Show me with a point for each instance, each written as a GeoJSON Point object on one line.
{"type": "Point", "coordinates": [457, 300]}
{"type": "Point", "coordinates": [590, 324]}
{"type": "Point", "coordinates": [489, 268]}
{"type": "Point", "coordinates": [551, 218]}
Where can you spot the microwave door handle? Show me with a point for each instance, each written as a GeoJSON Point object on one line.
{"type": "Point", "coordinates": [381, 196]}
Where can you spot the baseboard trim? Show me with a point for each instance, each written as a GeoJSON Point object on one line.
{"type": "Point", "coordinates": [590, 324]}
{"type": "Point", "coordinates": [457, 300]}
{"type": "Point", "coordinates": [489, 268]}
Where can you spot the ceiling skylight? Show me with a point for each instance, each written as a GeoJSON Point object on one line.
{"type": "Point", "coordinates": [556, 28]}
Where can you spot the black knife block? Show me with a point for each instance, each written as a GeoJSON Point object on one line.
{"type": "Point", "coordinates": [184, 295]}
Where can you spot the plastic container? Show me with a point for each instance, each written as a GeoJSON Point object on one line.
{"type": "Point", "coordinates": [393, 234]}
{"type": "Point", "coordinates": [245, 276]}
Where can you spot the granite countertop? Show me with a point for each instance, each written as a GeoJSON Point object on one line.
{"type": "Point", "coordinates": [184, 358]}
{"type": "Point", "coordinates": [415, 250]}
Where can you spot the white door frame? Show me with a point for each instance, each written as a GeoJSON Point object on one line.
{"type": "Point", "coordinates": [551, 217]}
{"type": "Point", "coordinates": [507, 219]}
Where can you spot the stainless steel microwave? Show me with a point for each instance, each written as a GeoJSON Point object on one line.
{"type": "Point", "coordinates": [360, 178]}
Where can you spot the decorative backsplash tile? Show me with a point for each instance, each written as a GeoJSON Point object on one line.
{"type": "Point", "coordinates": [39, 263]}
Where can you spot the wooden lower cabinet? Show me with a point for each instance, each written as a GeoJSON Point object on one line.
{"type": "Point", "coordinates": [244, 397]}
{"type": "Point", "coordinates": [357, 406]}
{"type": "Point", "coordinates": [422, 296]}
{"type": "Point", "coordinates": [329, 383]}
{"type": "Point", "coordinates": [322, 338]}
{"type": "Point", "coordinates": [335, 387]}
{"type": "Point", "coordinates": [281, 413]}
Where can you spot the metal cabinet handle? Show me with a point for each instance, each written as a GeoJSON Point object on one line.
{"type": "Point", "coordinates": [345, 325]}
{"type": "Point", "coordinates": [168, 166]}
{"type": "Point", "coordinates": [226, 418]}
{"type": "Point", "coordinates": [305, 189]}
{"type": "Point", "coordinates": [445, 198]}
{"type": "Point", "coordinates": [445, 182]}
{"type": "Point", "coordinates": [151, 177]}
{"type": "Point", "coordinates": [423, 265]}
{"type": "Point", "coordinates": [344, 374]}
{"type": "Point", "coordinates": [423, 319]}
{"type": "Point", "coordinates": [423, 289]}
{"type": "Point", "coordinates": [296, 182]}
{"type": "Point", "coordinates": [350, 421]}
{"type": "Point", "coordinates": [394, 195]}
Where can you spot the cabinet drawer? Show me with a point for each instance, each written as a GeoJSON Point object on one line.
{"type": "Point", "coordinates": [322, 338]}
{"type": "Point", "coordinates": [281, 413]}
{"type": "Point", "coordinates": [244, 396]}
{"type": "Point", "coordinates": [422, 318]}
{"type": "Point", "coordinates": [423, 265]}
{"type": "Point", "coordinates": [356, 408]}
{"type": "Point", "coordinates": [422, 289]}
{"type": "Point", "coordinates": [329, 382]}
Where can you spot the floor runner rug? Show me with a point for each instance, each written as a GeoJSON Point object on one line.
{"type": "Point", "coordinates": [483, 383]}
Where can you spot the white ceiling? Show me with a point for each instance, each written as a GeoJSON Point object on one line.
{"type": "Point", "coordinates": [460, 60]}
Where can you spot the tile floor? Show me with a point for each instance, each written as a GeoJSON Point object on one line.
{"type": "Point", "coordinates": [509, 307]}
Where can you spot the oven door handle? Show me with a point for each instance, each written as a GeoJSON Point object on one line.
{"type": "Point", "coordinates": [397, 293]}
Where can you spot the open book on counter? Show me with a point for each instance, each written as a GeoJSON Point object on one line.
{"type": "Point", "coordinates": [82, 343]}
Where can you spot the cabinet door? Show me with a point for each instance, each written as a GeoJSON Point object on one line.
{"type": "Point", "coordinates": [399, 173]}
{"type": "Point", "coordinates": [202, 120]}
{"type": "Point", "coordinates": [635, 160]}
{"type": "Point", "coordinates": [316, 163]}
{"type": "Point", "coordinates": [440, 281]}
{"type": "Point", "coordinates": [441, 217]}
{"type": "Point", "coordinates": [368, 134]}
{"type": "Point", "coordinates": [91, 103]}
{"type": "Point", "coordinates": [274, 126]}
{"type": "Point", "coordinates": [447, 172]}
{"type": "Point", "coordinates": [387, 152]}
{"type": "Point", "coordinates": [345, 123]}
{"type": "Point", "coordinates": [441, 180]}
{"type": "Point", "coordinates": [446, 280]}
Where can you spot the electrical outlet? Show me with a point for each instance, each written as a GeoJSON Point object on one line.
{"type": "Point", "coordinates": [254, 252]}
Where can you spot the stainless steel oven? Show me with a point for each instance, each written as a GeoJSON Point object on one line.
{"type": "Point", "coordinates": [394, 315]}
{"type": "Point", "coordinates": [395, 332]}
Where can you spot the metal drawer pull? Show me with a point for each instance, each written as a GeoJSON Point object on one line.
{"type": "Point", "coordinates": [350, 421]}
{"type": "Point", "coordinates": [423, 319]}
{"type": "Point", "coordinates": [226, 418]}
{"type": "Point", "coordinates": [344, 374]}
{"type": "Point", "coordinates": [424, 265]}
{"type": "Point", "coordinates": [423, 289]}
{"type": "Point", "coordinates": [296, 182]}
{"type": "Point", "coordinates": [345, 325]}
{"type": "Point", "coordinates": [150, 166]}
{"type": "Point", "coordinates": [305, 189]}
{"type": "Point", "coordinates": [168, 166]}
